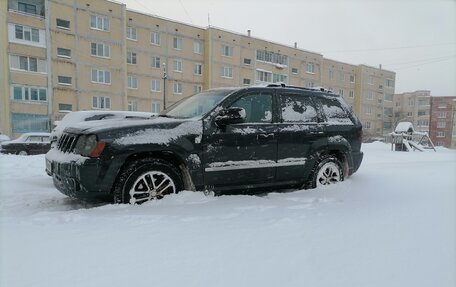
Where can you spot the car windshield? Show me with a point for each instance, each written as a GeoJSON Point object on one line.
{"type": "Point", "coordinates": [196, 105]}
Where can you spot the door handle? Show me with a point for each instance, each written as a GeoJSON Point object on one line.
{"type": "Point", "coordinates": [265, 136]}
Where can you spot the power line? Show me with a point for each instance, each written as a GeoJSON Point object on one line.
{"type": "Point", "coordinates": [390, 48]}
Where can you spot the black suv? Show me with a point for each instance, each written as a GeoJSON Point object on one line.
{"type": "Point", "coordinates": [228, 140]}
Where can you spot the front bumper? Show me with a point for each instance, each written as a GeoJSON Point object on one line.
{"type": "Point", "coordinates": [78, 176]}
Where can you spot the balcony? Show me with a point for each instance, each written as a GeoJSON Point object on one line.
{"type": "Point", "coordinates": [34, 8]}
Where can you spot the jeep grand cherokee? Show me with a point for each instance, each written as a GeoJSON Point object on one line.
{"type": "Point", "coordinates": [227, 140]}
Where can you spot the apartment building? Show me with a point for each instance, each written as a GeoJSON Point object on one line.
{"type": "Point", "coordinates": [65, 55]}
{"type": "Point", "coordinates": [414, 107]}
{"type": "Point", "coordinates": [442, 120]}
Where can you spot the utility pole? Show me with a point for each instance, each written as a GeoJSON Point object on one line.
{"type": "Point", "coordinates": [165, 76]}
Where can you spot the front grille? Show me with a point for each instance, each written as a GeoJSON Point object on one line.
{"type": "Point", "coordinates": [67, 142]}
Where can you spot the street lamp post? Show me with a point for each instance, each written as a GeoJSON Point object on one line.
{"type": "Point", "coordinates": [165, 76]}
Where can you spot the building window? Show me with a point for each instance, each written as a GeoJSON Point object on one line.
{"type": "Point", "coordinates": [341, 92]}
{"type": "Point", "coordinates": [197, 89]}
{"type": "Point", "coordinates": [270, 57]}
{"type": "Point", "coordinates": [25, 123]}
{"type": "Point", "coordinates": [352, 78]}
{"type": "Point", "coordinates": [440, 134]}
{"type": "Point", "coordinates": [155, 85]}
{"type": "Point", "coordinates": [442, 106]}
{"type": "Point", "coordinates": [246, 81]}
{"type": "Point", "coordinates": [441, 124]}
{"type": "Point", "coordinates": [388, 97]}
{"type": "Point", "coordinates": [263, 76]}
{"type": "Point", "coordinates": [370, 80]}
{"type": "Point", "coordinates": [65, 108]}
{"type": "Point", "coordinates": [198, 69]}
{"type": "Point", "coordinates": [155, 107]}
{"type": "Point", "coordinates": [101, 76]}
{"type": "Point", "coordinates": [279, 78]}
{"type": "Point", "coordinates": [227, 72]}
{"type": "Point", "coordinates": [64, 53]}
{"type": "Point", "coordinates": [155, 62]}
{"type": "Point", "coordinates": [133, 106]}
{"type": "Point", "coordinates": [342, 76]}
{"type": "Point", "coordinates": [28, 34]}
{"type": "Point", "coordinates": [132, 34]}
{"type": "Point", "coordinates": [409, 114]}
{"type": "Point", "coordinates": [423, 123]}
{"type": "Point", "coordinates": [247, 61]}
{"type": "Point", "coordinates": [131, 58]}
{"type": "Point", "coordinates": [26, 8]}
{"type": "Point", "coordinates": [368, 110]}
{"type": "Point", "coordinates": [155, 38]}
{"type": "Point", "coordinates": [227, 51]}
{"type": "Point", "coordinates": [100, 50]}
{"type": "Point", "coordinates": [101, 102]}
{"type": "Point", "coordinates": [294, 71]}
{"type": "Point", "coordinates": [331, 74]}
{"type": "Point", "coordinates": [310, 68]}
{"type": "Point", "coordinates": [99, 23]}
{"type": "Point", "coordinates": [441, 115]}
{"type": "Point", "coordinates": [132, 82]}
{"type": "Point", "coordinates": [389, 83]}
{"type": "Point", "coordinates": [177, 43]}
{"type": "Point", "coordinates": [198, 47]}
{"type": "Point", "coordinates": [177, 88]}
{"type": "Point", "coordinates": [27, 93]}
{"type": "Point", "coordinates": [422, 113]}
{"type": "Point", "coordinates": [351, 94]}
{"type": "Point", "coordinates": [29, 64]}
{"type": "Point", "coordinates": [63, 24]}
{"type": "Point", "coordinates": [310, 84]}
{"type": "Point", "coordinates": [367, 125]}
{"type": "Point", "coordinates": [64, 80]}
{"type": "Point", "coordinates": [370, 95]}
{"type": "Point", "coordinates": [177, 66]}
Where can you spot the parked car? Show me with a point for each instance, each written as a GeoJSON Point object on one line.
{"type": "Point", "coordinates": [229, 140]}
{"type": "Point", "coordinates": [27, 144]}
{"type": "Point", "coordinates": [4, 138]}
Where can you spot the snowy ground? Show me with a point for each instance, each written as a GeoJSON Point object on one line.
{"type": "Point", "coordinates": [391, 224]}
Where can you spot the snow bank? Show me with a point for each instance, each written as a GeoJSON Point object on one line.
{"type": "Point", "coordinates": [391, 224]}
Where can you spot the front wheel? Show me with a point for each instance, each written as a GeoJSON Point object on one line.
{"type": "Point", "coordinates": [328, 171]}
{"type": "Point", "coordinates": [146, 179]}
{"type": "Point", "coordinates": [22, 152]}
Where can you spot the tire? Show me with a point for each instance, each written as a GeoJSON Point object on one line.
{"type": "Point", "coordinates": [22, 152]}
{"type": "Point", "coordinates": [146, 179]}
{"type": "Point", "coordinates": [327, 171]}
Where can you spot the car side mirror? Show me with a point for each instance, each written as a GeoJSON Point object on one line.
{"type": "Point", "coordinates": [233, 115]}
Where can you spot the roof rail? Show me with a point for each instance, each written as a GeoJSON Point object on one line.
{"type": "Point", "coordinates": [282, 85]}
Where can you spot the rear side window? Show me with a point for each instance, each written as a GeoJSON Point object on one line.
{"type": "Point", "coordinates": [297, 108]}
{"type": "Point", "coordinates": [334, 112]}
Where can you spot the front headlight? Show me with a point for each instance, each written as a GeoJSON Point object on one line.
{"type": "Point", "coordinates": [88, 145]}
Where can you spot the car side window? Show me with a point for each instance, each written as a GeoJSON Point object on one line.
{"type": "Point", "coordinates": [33, 139]}
{"type": "Point", "coordinates": [258, 107]}
{"type": "Point", "coordinates": [334, 112]}
{"type": "Point", "coordinates": [297, 108]}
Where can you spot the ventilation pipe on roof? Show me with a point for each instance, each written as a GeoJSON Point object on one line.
{"type": "Point", "coordinates": [248, 33]}
{"type": "Point", "coordinates": [296, 45]}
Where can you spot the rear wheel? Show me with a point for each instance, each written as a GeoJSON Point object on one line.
{"type": "Point", "coordinates": [146, 179]}
{"type": "Point", "coordinates": [22, 152]}
{"type": "Point", "coordinates": [328, 171]}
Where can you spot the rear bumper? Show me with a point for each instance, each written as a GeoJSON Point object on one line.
{"type": "Point", "coordinates": [357, 159]}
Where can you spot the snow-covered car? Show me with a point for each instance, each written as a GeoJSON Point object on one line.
{"type": "Point", "coordinates": [27, 144]}
{"type": "Point", "coordinates": [4, 138]}
{"type": "Point", "coordinates": [228, 140]}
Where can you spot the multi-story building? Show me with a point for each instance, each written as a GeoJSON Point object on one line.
{"type": "Point", "coordinates": [442, 120]}
{"type": "Point", "coordinates": [414, 107]}
{"type": "Point", "coordinates": [64, 55]}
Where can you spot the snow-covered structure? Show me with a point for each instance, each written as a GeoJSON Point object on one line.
{"type": "Point", "coordinates": [405, 138]}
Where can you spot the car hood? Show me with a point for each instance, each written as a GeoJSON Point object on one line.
{"type": "Point", "coordinates": [155, 130]}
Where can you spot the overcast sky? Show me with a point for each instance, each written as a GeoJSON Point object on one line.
{"type": "Point", "coordinates": [414, 38]}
